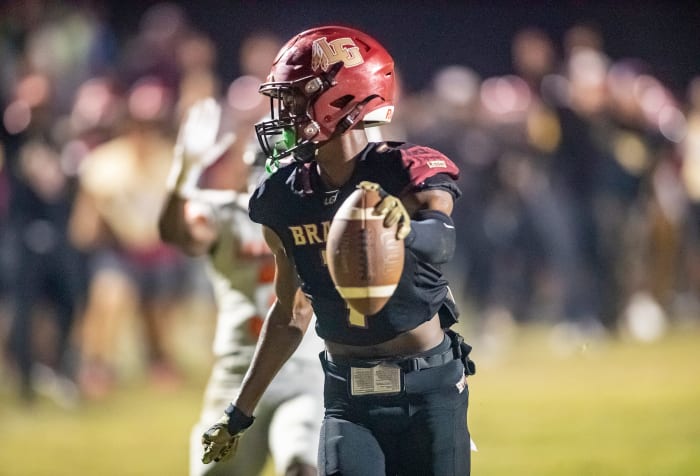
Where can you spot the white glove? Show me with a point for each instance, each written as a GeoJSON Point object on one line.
{"type": "Point", "coordinates": [196, 147]}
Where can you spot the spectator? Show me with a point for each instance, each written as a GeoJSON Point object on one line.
{"type": "Point", "coordinates": [115, 220]}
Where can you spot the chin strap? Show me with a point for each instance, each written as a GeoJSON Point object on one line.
{"type": "Point", "coordinates": [305, 152]}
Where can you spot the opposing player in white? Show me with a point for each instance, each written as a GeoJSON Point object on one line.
{"type": "Point", "coordinates": [215, 223]}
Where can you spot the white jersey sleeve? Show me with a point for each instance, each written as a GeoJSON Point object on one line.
{"type": "Point", "coordinates": [241, 269]}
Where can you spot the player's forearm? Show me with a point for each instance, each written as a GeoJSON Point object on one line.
{"type": "Point", "coordinates": [432, 237]}
{"type": "Point", "coordinates": [279, 338]}
{"type": "Point", "coordinates": [171, 222]}
{"type": "Point", "coordinates": [184, 174]}
{"type": "Point", "coordinates": [181, 180]}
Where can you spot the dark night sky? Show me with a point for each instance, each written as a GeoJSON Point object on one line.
{"type": "Point", "coordinates": [422, 36]}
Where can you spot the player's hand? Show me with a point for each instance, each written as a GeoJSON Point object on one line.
{"type": "Point", "coordinates": [220, 442]}
{"type": "Point", "coordinates": [393, 210]}
{"type": "Point", "coordinates": [196, 142]}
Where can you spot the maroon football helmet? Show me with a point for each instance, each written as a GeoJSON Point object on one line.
{"type": "Point", "coordinates": [324, 82]}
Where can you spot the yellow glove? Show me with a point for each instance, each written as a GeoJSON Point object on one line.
{"type": "Point", "coordinates": [221, 440]}
{"type": "Point", "coordinates": [392, 208]}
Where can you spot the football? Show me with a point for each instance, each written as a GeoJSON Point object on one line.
{"type": "Point", "coordinates": [365, 259]}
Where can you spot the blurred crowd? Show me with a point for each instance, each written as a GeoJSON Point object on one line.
{"type": "Point", "coordinates": [580, 179]}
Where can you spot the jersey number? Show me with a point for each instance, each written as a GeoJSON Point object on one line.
{"type": "Point", "coordinates": [356, 319]}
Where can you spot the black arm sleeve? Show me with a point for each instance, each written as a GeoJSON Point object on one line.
{"type": "Point", "coordinates": [432, 237]}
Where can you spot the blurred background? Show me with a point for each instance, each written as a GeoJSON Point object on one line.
{"type": "Point", "coordinates": [576, 125]}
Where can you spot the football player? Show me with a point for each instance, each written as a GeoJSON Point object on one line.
{"type": "Point", "coordinates": [215, 224]}
{"type": "Point", "coordinates": [395, 390]}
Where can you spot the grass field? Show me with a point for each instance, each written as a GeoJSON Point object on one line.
{"type": "Point", "coordinates": [609, 408]}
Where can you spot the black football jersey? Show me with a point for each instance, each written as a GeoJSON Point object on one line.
{"type": "Point", "coordinates": [299, 208]}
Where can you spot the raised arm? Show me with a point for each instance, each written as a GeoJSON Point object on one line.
{"type": "Point", "coordinates": [187, 218]}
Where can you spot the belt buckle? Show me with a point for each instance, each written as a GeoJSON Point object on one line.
{"type": "Point", "coordinates": [382, 380]}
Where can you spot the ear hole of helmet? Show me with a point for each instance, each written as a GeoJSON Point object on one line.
{"type": "Point", "coordinates": [293, 102]}
{"type": "Point", "coordinates": [342, 101]}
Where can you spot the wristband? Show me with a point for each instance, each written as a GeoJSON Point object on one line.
{"type": "Point", "coordinates": [237, 420]}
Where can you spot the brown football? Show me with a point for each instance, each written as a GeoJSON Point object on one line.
{"type": "Point", "coordinates": [364, 258]}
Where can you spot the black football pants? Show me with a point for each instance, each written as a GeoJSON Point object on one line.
{"type": "Point", "coordinates": [420, 432]}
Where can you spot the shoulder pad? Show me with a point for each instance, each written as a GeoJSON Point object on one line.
{"type": "Point", "coordinates": [423, 162]}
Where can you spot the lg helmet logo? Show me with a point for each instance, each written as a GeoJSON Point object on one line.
{"type": "Point", "coordinates": [325, 53]}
